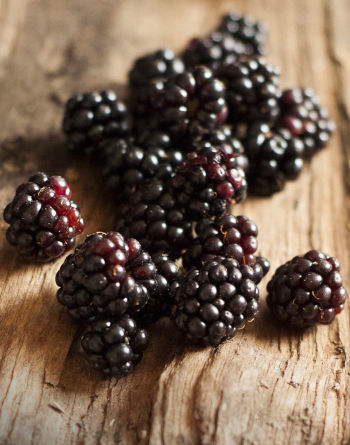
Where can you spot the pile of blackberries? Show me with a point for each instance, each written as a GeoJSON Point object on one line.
{"type": "Point", "coordinates": [201, 130]}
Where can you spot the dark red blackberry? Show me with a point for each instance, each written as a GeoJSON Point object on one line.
{"type": "Point", "coordinates": [274, 157]}
{"type": "Point", "coordinates": [159, 65]}
{"type": "Point", "coordinates": [304, 117]}
{"type": "Point", "coordinates": [43, 220]}
{"type": "Point", "coordinates": [153, 216]}
{"type": "Point", "coordinates": [212, 50]}
{"type": "Point", "coordinates": [252, 90]}
{"type": "Point", "coordinates": [187, 106]}
{"type": "Point", "coordinates": [125, 164]}
{"type": "Point", "coordinates": [227, 236]}
{"type": "Point", "coordinates": [224, 139]}
{"type": "Point", "coordinates": [307, 290]}
{"type": "Point", "coordinates": [208, 181]}
{"type": "Point", "coordinates": [106, 275]}
{"type": "Point", "coordinates": [90, 118]}
{"type": "Point", "coordinates": [162, 293]}
{"type": "Point", "coordinates": [114, 347]}
{"type": "Point", "coordinates": [244, 29]}
{"type": "Point", "coordinates": [214, 301]}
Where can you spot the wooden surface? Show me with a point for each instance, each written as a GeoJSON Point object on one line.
{"type": "Point", "coordinates": [264, 386]}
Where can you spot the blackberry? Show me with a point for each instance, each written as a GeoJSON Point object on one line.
{"type": "Point", "coordinates": [252, 90]}
{"type": "Point", "coordinates": [214, 301]}
{"type": "Point", "coordinates": [244, 29]}
{"type": "Point", "coordinates": [114, 347]}
{"type": "Point", "coordinates": [147, 70]}
{"type": "Point", "coordinates": [307, 290]}
{"type": "Point", "coordinates": [274, 157]}
{"type": "Point", "coordinates": [224, 139]}
{"type": "Point", "coordinates": [207, 181]}
{"type": "Point", "coordinates": [187, 106]}
{"type": "Point", "coordinates": [212, 50]}
{"type": "Point", "coordinates": [165, 285]}
{"type": "Point", "coordinates": [303, 115]}
{"type": "Point", "coordinates": [126, 164]}
{"type": "Point", "coordinates": [106, 275]}
{"type": "Point", "coordinates": [90, 118]}
{"type": "Point", "coordinates": [227, 236]}
{"type": "Point", "coordinates": [153, 216]}
{"type": "Point", "coordinates": [44, 221]}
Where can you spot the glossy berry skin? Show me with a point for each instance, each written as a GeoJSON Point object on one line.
{"type": "Point", "coordinates": [227, 236]}
{"type": "Point", "coordinates": [214, 301]}
{"type": "Point", "coordinates": [43, 220]}
{"type": "Point", "coordinates": [212, 50]}
{"type": "Point", "coordinates": [154, 216]}
{"type": "Point", "coordinates": [126, 164]}
{"type": "Point", "coordinates": [275, 156]}
{"type": "Point", "coordinates": [90, 118]}
{"type": "Point", "coordinates": [307, 290]}
{"type": "Point", "coordinates": [223, 138]}
{"type": "Point", "coordinates": [252, 90]}
{"type": "Point", "coordinates": [106, 275]}
{"type": "Point", "coordinates": [162, 294]}
{"type": "Point", "coordinates": [188, 105]}
{"type": "Point", "coordinates": [305, 118]}
{"type": "Point", "coordinates": [159, 65]}
{"type": "Point", "coordinates": [244, 29]}
{"type": "Point", "coordinates": [208, 181]}
{"type": "Point", "coordinates": [112, 346]}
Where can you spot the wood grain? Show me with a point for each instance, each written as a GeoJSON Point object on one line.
{"type": "Point", "coordinates": [264, 387]}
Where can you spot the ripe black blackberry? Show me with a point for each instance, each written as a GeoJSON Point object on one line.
{"type": "Point", "coordinates": [227, 236]}
{"type": "Point", "coordinates": [125, 164]}
{"type": "Point", "coordinates": [305, 118]}
{"type": "Point", "coordinates": [162, 293]}
{"type": "Point", "coordinates": [90, 118]}
{"type": "Point", "coordinates": [187, 106]}
{"type": "Point", "coordinates": [147, 70]}
{"type": "Point", "coordinates": [307, 290]}
{"type": "Point", "coordinates": [212, 50]}
{"type": "Point", "coordinates": [44, 221]}
{"type": "Point", "coordinates": [252, 90]}
{"type": "Point", "coordinates": [274, 157]}
{"type": "Point", "coordinates": [244, 29]}
{"type": "Point", "coordinates": [153, 216]}
{"type": "Point", "coordinates": [114, 347]}
{"type": "Point", "coordinates": [214, 301]}
{"type": "Point", "coordinates": [224, 139]}
{"type": "Point", "coordinates": [208, 181]}
{"type": "Point", "coordinates": [106, 275]}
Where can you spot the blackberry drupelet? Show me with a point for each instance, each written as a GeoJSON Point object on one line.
{"type": "Point", "coordinates": [162, 294]}
{"type": "Point", "coordinates": [274, 157]}
{"type": "Point", "coordinates": [106, 275]}
{"type": "Point", "coordinates": [90, 118]}
{"type": "Point", "coordinates": [154, 217]}
{"type": "Point", "coordinates": [307, 290]}
{"type": "Point", "coordinates": [44, 221]}
{"type": "Point", "coordinates": [114, 347]}
{"type": "Point", "coordinates": [227, 236]}
{"type": "Point", "coordinates": [303, 115]}
{"type": "Point", "coordinates": [214, 301]}
{"type": "Point", "coordinates": [244, 29]}
{"type": "Point", "coordinates": [212, 50]}
{"type": "Point", "coordinates": [252, 90]}
{"type": "Point", "coordinates": [126, 164]}
{"type": "Point", "coordinates": [208, 181]}
{"type": "Point", "coordinates": [187, 106]}
{"type": "Point", "coordinates": [147, 70]}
